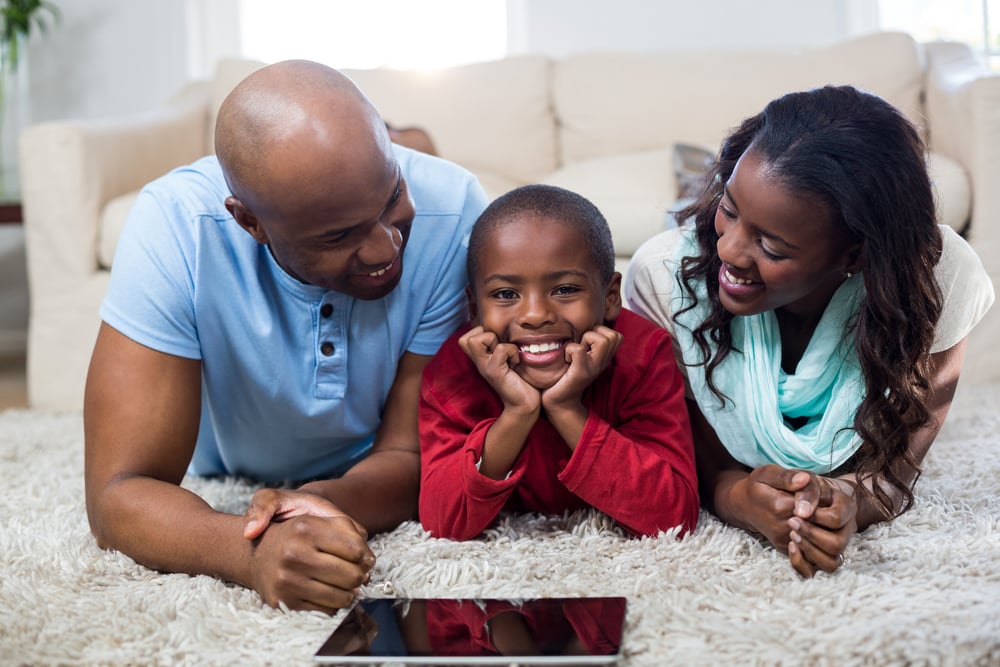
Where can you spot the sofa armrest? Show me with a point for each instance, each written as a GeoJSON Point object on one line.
{"type": "Point", "coordinates": [963, 112]}
{"type": "Point", "coordinates": [71, 169]}
{"type": "Point", "coordinates": [963, 115]}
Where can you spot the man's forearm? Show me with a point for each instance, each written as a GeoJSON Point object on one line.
{"type": "Point", "coordinates": [380, 492]}
{"type": "Point", "coordinates": [167, 528]}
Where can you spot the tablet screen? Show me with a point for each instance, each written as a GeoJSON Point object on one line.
{"type": "Point", "coordinates": [539, 631]}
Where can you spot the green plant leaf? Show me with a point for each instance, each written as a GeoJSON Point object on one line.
{"type": "Point", "coordinates": [16, 20]}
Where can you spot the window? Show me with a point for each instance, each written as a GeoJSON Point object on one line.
{"type": "Point", "coordinates": [374, 33]}
{"type": "Point", "coordinates": [975, 22]}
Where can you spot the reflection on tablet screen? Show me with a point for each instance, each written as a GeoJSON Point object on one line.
{"type": "Point", "coordinates": [554, 631]}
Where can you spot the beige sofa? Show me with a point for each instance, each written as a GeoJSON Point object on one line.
{"type": "Point", "coordinates": [604, 124]}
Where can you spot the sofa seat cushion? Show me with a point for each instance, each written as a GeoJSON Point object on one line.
{"type": "Point", "coordinates": [634, 191]}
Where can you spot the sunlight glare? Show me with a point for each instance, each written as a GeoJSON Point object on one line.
{"type": "Point", "coordinates": [375, 33]}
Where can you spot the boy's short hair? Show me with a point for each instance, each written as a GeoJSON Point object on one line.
{"type": "Point", "coordinates": [553, 202]}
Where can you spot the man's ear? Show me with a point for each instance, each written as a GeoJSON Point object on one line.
{"type": "Point", "coordinates": [473, 309]}
{"type": "Point", "coordinates": [613, 298]}
{"type": "Point", "coordinates": [247, 220]}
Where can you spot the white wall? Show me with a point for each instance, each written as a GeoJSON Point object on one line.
{"type": "Point", "coordinates": [108, 57]}
{"type": "Point", "coordinates": [560, 27]}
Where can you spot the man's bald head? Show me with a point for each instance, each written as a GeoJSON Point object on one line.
{"type": "Point", "coordinates": [283, 129]}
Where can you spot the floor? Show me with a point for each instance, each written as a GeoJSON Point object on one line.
{"type": "Point", "coordinates": [13, 387]}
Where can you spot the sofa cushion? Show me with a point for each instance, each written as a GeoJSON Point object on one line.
{"type": "Point", "coordinates": [609, 103]}
{"type": "Point", "coordinates": [634, 192]}
{"type": "Point", "coordinates": [491, 116]}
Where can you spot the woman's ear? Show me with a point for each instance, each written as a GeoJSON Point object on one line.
{"type": "Point", "coordinates": [613, 298]}
{"type": "Point", "coordinates": [853, 259]}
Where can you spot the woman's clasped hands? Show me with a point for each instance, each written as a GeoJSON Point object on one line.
{"type": "Point", "coordinates": [808, 516]}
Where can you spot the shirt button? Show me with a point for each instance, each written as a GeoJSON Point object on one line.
{"type": "Point", "coordinates": [326, 310]}
{"type": "Point", "coordinates": [326, 348]}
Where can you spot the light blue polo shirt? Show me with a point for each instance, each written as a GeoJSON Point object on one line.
{"type": "Point", "coordinates": [278, 403]}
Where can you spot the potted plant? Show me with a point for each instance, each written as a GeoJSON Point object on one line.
{"type": "Point", "coordinates": [18, 19]}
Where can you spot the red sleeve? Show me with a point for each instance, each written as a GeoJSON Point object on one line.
{"type": "Point", "coordinates": [456, 501]}
{"type": "Point", "coordinates": [642, 472]}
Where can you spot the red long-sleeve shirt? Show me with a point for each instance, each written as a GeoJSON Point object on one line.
{"type": "Point", "coordinates": [634, 461]}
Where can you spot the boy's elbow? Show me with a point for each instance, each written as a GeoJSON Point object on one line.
{"type": "Point", "coordinates": [444, 527]}
{"type": "Point", "coordinates": [680, 519]}
{"type": "Point", "coordinates": [690, 522]}
{"type": "Point", "coordinates": [690, 511]}
{"type": "Point", "coordinates": [679, 527]}
{"type": "Point", "coordinates": [448, 532]}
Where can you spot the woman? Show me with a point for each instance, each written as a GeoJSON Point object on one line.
{"type": "Point", "coordinates": [820, 313]}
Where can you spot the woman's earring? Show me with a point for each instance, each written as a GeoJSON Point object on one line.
{"type": "Point", "coordinates": [848, 274]}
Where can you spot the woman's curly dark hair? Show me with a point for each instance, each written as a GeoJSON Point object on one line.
{"type": "Point", "coordinates": [862, 159]}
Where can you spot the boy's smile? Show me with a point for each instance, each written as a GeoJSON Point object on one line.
{"type": "Point", "coordinates": [539, 353]}
{"type": "Point", "coordinates": [538, 287]}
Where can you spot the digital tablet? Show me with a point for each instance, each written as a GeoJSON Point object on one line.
{"type": "Point", "coordinates": [469, 631]}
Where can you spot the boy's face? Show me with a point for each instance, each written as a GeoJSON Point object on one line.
{"type": "Point", "coordinates": [537, 287]}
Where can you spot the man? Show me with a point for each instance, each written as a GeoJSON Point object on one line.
{"type": "Point", "coordinates": [269, 315]}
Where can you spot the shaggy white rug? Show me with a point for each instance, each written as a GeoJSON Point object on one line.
{"type": "Point", "coordinates": [924, 590]}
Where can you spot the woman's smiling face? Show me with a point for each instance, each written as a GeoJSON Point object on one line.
{"type": "Point", "coordinates": [538, 287]}
{"type": "Point", "coordinates": [779, 250]}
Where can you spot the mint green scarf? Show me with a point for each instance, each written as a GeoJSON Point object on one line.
{"type": "Point", "coordinates": [826, 388]}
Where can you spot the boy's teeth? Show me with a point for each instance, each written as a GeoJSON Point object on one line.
{"type": "Point", "coordinates": [535, 348]}
{"type": "Point", "coordinates": [736, 281]}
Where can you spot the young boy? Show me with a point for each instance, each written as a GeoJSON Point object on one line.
{"type": "Point", "coordinates": [553, 398]}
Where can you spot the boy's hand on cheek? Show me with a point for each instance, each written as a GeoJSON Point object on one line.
{"type": "Point", "coordinates": [495, 361]}
{"type": "Point", "coordinates": [587, 360]}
